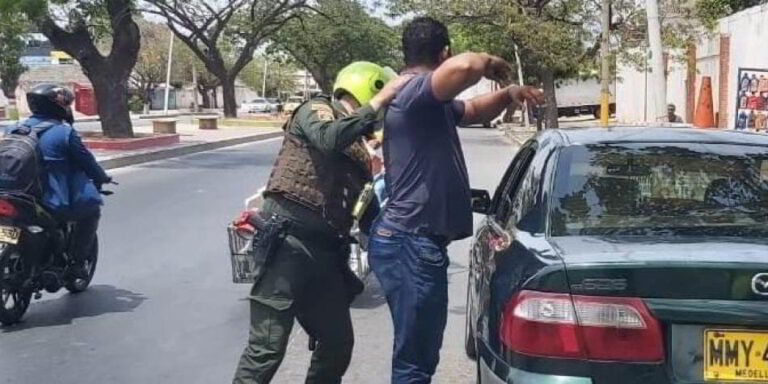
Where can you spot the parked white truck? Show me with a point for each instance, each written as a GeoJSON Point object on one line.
{"type": "Point", "coordinates": [581, 97]}
{"type": "Point", "coordinates": [574, 96]}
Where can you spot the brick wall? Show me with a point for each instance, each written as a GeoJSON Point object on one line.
{"type": "Point", "coordinates": [725, 59]}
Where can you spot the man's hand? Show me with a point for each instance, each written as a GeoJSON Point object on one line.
{"type": "Point", "coordinates": [498, 70]}
{"type": "Point", "coordinates": [526, 94]}
{"type": "Point", "coordinates": [388, 93]}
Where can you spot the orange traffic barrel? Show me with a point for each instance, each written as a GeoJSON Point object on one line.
{"type": "Point", "coordinates": [705, 115]}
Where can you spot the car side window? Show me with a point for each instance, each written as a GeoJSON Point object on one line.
{"type": "Point", "coordinates": [506, 195]}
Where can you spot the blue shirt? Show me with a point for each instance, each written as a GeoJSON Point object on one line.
{"type": "Point", "coordinates": [71, 170]}
{"type": "Point", "coordinates": [426, 176]}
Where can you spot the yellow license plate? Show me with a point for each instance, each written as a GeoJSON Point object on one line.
{"type": "Point", "coordinates": [735, 355]}
{"type": "Point", "coordinates": [9, 235]}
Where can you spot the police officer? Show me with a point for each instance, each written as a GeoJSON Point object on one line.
{"type": "Point", "coordinates": [317, 178]}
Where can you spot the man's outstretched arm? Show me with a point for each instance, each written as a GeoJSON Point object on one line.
{"type": "Point", "coordinates": [463, 71]}
{"type": "Point", "coordinates": [484, 108]}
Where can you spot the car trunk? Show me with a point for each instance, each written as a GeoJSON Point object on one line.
{"type": "Point", "coordinates": [701, 291]}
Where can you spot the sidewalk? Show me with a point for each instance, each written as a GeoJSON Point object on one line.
{"type": "Point", "coordinates": [192, 140]}
{"type": "Point", "coordinates": [519, 135]}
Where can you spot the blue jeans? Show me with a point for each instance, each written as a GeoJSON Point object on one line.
{"type": "Point", "coordinates": [413, 272]}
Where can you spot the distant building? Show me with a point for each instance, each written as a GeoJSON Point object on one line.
{"type": "Point", "coordinates": [70, 76]}
{"type": "Point", "coordinates": [40, 52]}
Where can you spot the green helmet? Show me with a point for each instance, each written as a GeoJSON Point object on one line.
{"type": "Point", "coordinates": [363, 80]}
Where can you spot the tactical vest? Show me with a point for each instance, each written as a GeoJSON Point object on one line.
{"type": "Point", "coordinates": [327, 184]}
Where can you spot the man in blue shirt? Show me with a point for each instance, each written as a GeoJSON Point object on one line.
{"type": "Point", "coordinates": [429, 195]}
{"type": "Point", "coordinates": [72, 175]}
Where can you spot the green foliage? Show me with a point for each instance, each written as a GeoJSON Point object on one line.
{"type": "Point", "coordinates": [340, 32]}
{"type": "Point", "coordinates": [11, 47]}
{"type": "Point", "coordinates": [548, 35]}
{"type": "Point", "coordinates": [710, 11]}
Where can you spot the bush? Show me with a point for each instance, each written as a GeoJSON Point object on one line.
{"type": "Point", "coordinates": [136, 104]}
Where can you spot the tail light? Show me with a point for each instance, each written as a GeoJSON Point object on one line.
{"type": "Point", "coordinates": [582, 327]}
{"type": "Point", "coordinates": [7, 209]}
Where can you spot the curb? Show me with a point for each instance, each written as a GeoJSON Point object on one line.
{"type": "Point", "coordinates": [168, 153]}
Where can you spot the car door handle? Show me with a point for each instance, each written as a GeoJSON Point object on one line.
{"type": "Point", "coordinates": [499, 239]}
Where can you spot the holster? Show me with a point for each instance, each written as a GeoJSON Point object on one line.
{"type": "Point", "coordinates": [269, 234]}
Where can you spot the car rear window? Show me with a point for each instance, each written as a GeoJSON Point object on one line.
{"type": "Point", "coordinates": [661, 189]}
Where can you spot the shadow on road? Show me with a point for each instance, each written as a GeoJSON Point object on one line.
{"type": "Point", "coordinates": [97, 300]}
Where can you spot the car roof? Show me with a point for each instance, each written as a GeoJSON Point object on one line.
{"type": "Point", "coordinates": [650, 134]}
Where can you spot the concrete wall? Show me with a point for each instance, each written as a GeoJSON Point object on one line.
{"type": "Point", "coordinates": [633, 98]}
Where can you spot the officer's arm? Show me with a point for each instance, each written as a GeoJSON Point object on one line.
{"type": "Point", "coordinates": [83, 158]}
{"type": "Point", "coordinates": [315, 122]}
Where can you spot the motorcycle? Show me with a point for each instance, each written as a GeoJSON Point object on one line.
{"type": "Point", "coordinates": [35, 256]}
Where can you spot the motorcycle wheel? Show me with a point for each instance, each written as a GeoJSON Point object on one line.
{"type": "Point", "coordinates": [14, 301]}
{"type": "Point", "coordinates": [79, 285]}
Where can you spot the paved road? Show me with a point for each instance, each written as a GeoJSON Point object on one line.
{"type": "Point", "coordinates": [162, 308]}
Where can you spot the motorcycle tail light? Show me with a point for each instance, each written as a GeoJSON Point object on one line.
{"type": "Point", "coordinates": [7, 209]}
{"type": "Point", "coordinates": [582, 327]}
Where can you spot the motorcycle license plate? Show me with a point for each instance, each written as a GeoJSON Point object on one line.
{"type": "Point", "coordinates": [9, 235]}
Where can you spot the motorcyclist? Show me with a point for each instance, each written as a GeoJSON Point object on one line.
{"type": "Point", "coordinates": [321, 170]}
{"type": "Point", "coordinates": [73, 178]}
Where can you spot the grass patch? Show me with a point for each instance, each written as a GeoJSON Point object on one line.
{"type": "Point", "coordinates": [251, 123]}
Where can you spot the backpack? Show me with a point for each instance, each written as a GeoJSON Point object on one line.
{"type": "Point", "coordinates": [21, 159]}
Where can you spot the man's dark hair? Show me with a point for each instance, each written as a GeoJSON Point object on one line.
{"type": "Point", "coordinates": [424, 39]}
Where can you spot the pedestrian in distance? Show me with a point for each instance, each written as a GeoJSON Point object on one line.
{"type": "Point", "coordinates": [429, 202]}
{"type": "Point", "coordinates": [673, 118]}
{"type": "Point", "coordinates": [318, 176]}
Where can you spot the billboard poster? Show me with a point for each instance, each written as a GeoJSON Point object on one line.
{"type": "Point", "coordinates": [752, 102]}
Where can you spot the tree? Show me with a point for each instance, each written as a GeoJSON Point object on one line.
{"type": "Point", "coordinates": [151, 65]}
{"type": "Point", "coordinates": [11, 47]}
{"type": "Point", "coordinates": [208, 27]}
{"type": "Point", "coordinates": [190, 70]}
{"type": "Point", "coordinates": [280, 75]}
{"type": "Point", "coordinates": [710, 11]}
{"type": "Point", "coordinates": [342, 31]}
{"type": "Point", "coordinates": [78, 34]}
{"type": "Point", "coordinates": [555, 39]}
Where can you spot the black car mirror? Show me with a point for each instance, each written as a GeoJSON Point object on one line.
{"type": "Point", "coordinates": [481, 201]}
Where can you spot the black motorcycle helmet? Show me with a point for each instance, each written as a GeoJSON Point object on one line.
{"type": "Point", "coordinates": [51, 101]}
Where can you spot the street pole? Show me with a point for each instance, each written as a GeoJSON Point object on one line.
{"type": "Point", "coordinates": [168, 76]}
{"type": "Point", "coordinates": [605, 86]}
{"type": "Point", "coordinates": [264, 84]}
{"type": "Point", "coordinates": [194, 91]}
{"type": "Point", "coordinates": [658, 84]}
{"type": "Point", "coordinates": [521, 81]}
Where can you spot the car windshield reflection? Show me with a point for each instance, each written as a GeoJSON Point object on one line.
{"type": "Point", "coordinates": [644, 189]}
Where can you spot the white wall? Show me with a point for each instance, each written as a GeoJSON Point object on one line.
{"type": "Point", "coordinates": [749, 33]}
{"type": "Point", "coordinates": [634, 100]}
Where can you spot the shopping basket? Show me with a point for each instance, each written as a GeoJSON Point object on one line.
{"type": "Point", "coordinates": [244, 268]}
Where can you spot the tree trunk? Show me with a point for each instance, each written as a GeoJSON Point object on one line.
{"type": "Point", "coordinates": [9, 85]}
{"type": "Point", "coordinates": [550, 110]}
{"type": "Point", "coordinates": [108, 74]}
{"type": "Point", "coordinates": [12, 112]}
{"type": "Point", "coordinates": [230, 98]}
{"type": "Point", "coordinates": [112, 104]}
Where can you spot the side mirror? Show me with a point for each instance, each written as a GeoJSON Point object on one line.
{"type": "Point", "coordinates": [481, 201]}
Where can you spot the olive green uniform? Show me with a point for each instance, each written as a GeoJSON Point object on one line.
{"type": "Point", "coordinates": [307, 280]}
